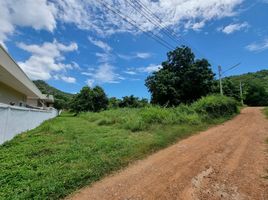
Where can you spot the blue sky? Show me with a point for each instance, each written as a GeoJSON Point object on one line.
{"type": "Point", "coordinates": [73, 43]}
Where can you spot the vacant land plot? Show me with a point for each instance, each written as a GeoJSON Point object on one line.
{"type": "Point", "coordinates": [225, 162]}
{"type": "Point", "coordinates": [69, 152]}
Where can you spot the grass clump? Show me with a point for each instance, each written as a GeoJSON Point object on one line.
{"type": "Point", "coordinates": [69, 152]}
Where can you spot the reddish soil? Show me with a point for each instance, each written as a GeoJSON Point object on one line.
{"type": "Point", "coordinates": [228, 161]}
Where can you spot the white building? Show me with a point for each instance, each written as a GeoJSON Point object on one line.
{"type": "Point", "coordinates": [22, 105]}
{"type": "Point", "coordinates": [15, 86]}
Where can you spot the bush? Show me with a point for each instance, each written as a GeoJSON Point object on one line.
{"type": "Point", "coordinates": [141, 119]}
{"type": "Point", "coordinates": [216, 106]}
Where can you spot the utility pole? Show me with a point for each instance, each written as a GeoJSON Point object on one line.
{"type": "Point", "coordinates": [241, 93]}
{"type": "Point", "coordinates": [220, 74]}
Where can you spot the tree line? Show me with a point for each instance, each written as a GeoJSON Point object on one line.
{"type": "Point", "coordinates": [182, 79]}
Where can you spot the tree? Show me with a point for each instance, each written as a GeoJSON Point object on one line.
{"type": "Point", "coordinates": [230, 88]}
{"type": "Point", "coordinates": [99, 99]}
{"type": "Point", "coordinates": [182, 79]}
{"type": "Point", "coordinates": [256, 95]}
{"type": "Point", "coordinates": [133, 102]}
{"type": "Point", "coordinates": [89, 99]}
{"type": "Point", "coordinates": [114, 102]}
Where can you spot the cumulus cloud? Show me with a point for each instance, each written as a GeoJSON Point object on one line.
{"type": "Point", "coordinates": [148, 69]}
{"type": "Point", "coordinates": [104, 46]}
{"type": "Point", "coordinates": [258, 47]}
{"type": "Point", "coordinates": [151, 68]}
{"type": "Point", "coordinates": [191, 14]}
{"type": "Point", "coordinates": [104, 73]}
{"type": "Point", "coordinates": [94, 16]}
{"type": "Point", "coordinates": [46, 59]}
{"type": "Point", "coordinates": [231, 28]}
{"type": "Point", "coordinates": [68, 79]}
{"type": "Point", "coordinates": [38, 14]}
{"type": "Point", "coordinates": [140, 55]}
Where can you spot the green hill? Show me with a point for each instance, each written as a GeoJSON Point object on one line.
{"type": "Point", "coordinates": [259, 77]}
{"type": "Point", "coordinates": [62, 99]}
{"type": "Point", "coordinates": [254, 84]}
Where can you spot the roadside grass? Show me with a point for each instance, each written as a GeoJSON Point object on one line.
{"type": "Point", "coordinates": [67, 153]}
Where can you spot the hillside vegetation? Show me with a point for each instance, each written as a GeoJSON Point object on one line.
{"type": "Point", "coordinates": [67, 153]}
{"type": "Point", "coordinates": [260, 77]}
{"type": "Point", "coordinates": [62, 99]}
{"type": "Point", "coordinates": [254, 87]}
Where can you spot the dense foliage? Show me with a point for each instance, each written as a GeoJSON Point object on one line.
{"type": "Point", "coordinates": [128, 102]}
{"type": "Point", "coordinates": [254, 85]}
{"type": "Point", "coordinates": [62, 99]}
{"type": "Point", "coordinates": [255, 94]}
{"type": "Point", "coordinates": [182, 79]}
{"type": "Point", "coordinates": [216, 105]}
{"type": "Point", "coordinates": [89, 99]}
{"type": "Point", "coordinates": [67, 152]}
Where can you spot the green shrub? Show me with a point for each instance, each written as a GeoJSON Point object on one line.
{"type": "Point", "coordinates": [216, 106]}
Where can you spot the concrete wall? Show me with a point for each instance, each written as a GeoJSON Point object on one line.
{"type": "Point", "coordinates": [15, 120]}
{"type": "Point", "coordinates": [32, 102]}
{"type": "Point", "coordinates": [8, 95]}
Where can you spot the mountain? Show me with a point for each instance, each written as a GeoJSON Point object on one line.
{"type": "Point", "coordinates": [62, 99]}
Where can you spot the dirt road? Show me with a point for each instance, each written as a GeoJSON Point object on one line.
{"type": "Point", "coordinates": [224, 162]}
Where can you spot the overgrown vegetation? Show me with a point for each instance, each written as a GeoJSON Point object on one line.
{"type": "Point", "coordinates": [62, 99]}
{"type": "Point", "coordinates": [67, 153]}
{"type": "Point", "coordinates": [255, 88]}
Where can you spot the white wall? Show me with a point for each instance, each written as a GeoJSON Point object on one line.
{"type": "Point", "coordinates": [15, 120]}
{"type": "Point", "coordinates": [8, 95]}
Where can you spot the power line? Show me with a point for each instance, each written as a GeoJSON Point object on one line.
{"type": "Point", "coordinates": [171, 32]}
{"type": "Point", "coordinates": [133, 23]}
{"type": "Point", "coordinates": [231, 68]}
{"type": "Point", "coordinates": [151, 18]}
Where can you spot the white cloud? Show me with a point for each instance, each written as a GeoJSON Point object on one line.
{"type": "Point", "coordinates": [258, 47]}
{"type": "Point", "coordinates": [93, 15]}
{"type": "Point", "coordinates": [104, 73]}
{"type": "Point", "coordinates": [130, 72]}
{"type": "Point", "coordinates": [90, 82]}
{"type": "Point", "coordinates": [231, 28]}
{"type": "Point", "coordinates": [68, 79]}
{"type": "Point", "coordinates": [105, 57]}
{"type": "Point", "coordinates": [140, 55]}
{"type": "Point", "coordinates": [143, 55]}
{"type": "Point", "coordinates": [38, 14]}
{"type": "Point", "coordinates": [151, 68]}
{"type": "Point", "coordinates": [46, 59]}
{"type": "Point", "coordinates": [104, 46]}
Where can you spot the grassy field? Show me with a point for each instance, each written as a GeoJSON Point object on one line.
{"type": "Point", "coordinates": [67, 153]}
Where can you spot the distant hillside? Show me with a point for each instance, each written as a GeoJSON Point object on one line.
{"type": "Point", "coordinates": [62, 99]}
{"type": "Point", "coordinates": [260, 77]}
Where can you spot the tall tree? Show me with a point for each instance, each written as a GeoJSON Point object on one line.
{"type": "Point", "coordinates": [89, 99]}
{"type": "Point", "coordinates": [182, 79]}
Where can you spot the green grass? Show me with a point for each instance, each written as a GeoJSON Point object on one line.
{"type": "Point", "coordinates": [67, 153]}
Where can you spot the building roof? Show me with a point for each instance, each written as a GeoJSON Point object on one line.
{"type": "Point", "coordinates": [12, 75]}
